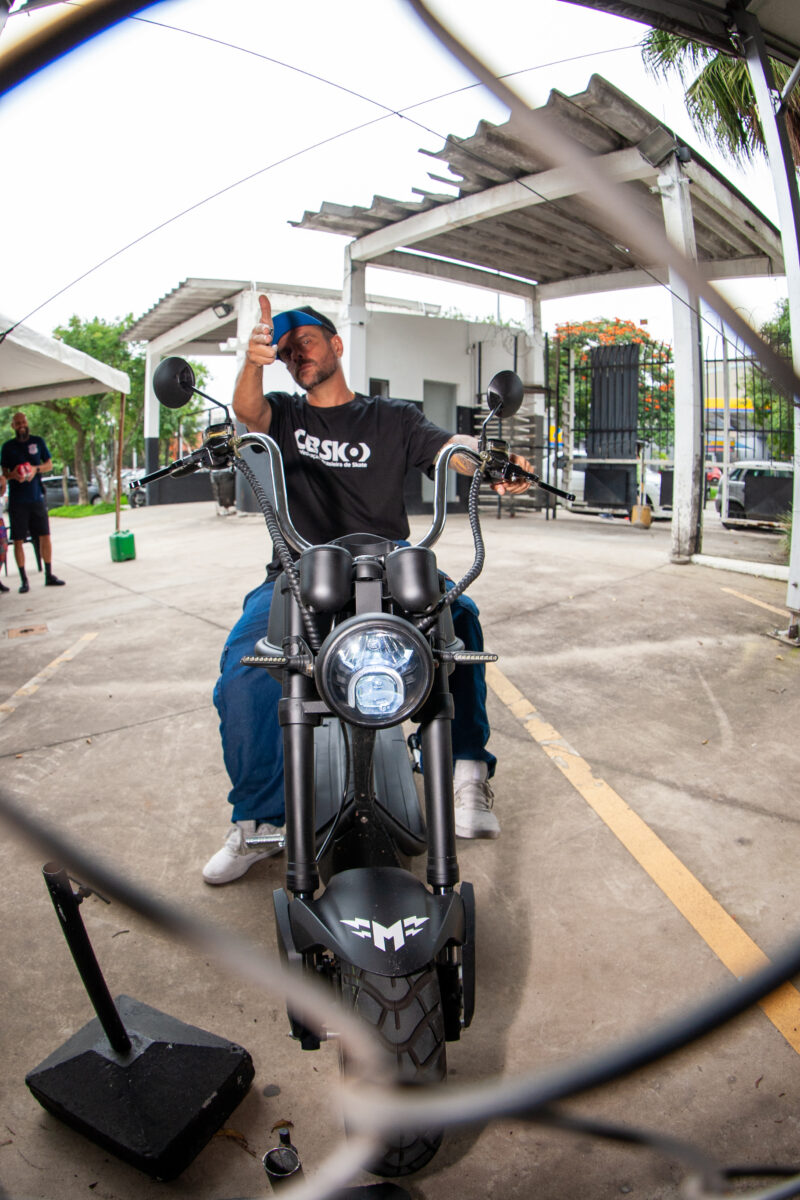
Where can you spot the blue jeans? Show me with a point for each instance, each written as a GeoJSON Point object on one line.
{"type": "Point", "coordinates": [247, 698]}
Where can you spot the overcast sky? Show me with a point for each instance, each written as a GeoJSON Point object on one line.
{"type": "Point", "coordinates": [150, 119]}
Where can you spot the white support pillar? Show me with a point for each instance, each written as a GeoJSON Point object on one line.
{"type": "Point", "coordinates": [152, 413]}
{"type": "Point", "coordinates": [784, 181]}
{"type": "Point", "coordinates": [531, 365]}
{"type": "Point", "coordinates": [353, 323]}
{"type": "Point", "coordinates": [688, 479]}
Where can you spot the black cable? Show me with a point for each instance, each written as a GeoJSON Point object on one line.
{"type": "Point", "coordinates": [388, 112]}
{"type": "Point", "coordinates": [537, 130]}
{"type": "Point", "coordinates": [281, 549]}
{"type": "Point", "coordinates": [50, 43]}
{"type": "Point", "coordinates": [474, 571]}
{"type": "Point", "coordinates": [689, 1155]}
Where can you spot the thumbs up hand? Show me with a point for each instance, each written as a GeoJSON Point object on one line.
{"type": "Point", "coordinates": [260, 351]}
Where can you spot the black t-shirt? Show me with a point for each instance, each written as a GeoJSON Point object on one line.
{"type": "Point", "coordinates": [32, 450]}
{"type": "Point", "coordinates": [345, 466]}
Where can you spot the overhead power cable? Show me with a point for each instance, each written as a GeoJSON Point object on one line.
{"type": "Point", "coordinates": [387, 111]}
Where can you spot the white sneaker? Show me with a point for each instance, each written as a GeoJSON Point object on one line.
{"type": "Point", "coordinates": [474, 799]}
{"type": "Point", "coordinates": [236, 857]}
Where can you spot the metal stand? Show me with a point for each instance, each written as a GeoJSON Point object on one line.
{"type": "Point", "coordinates": [790, 636]}
{"type": "Point", "coordinates": [139, 1083]}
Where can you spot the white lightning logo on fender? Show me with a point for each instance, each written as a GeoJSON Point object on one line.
{"type": "Point", "coordinates": [360, 927]}
{"type": "Point", "coordinates": [380, 935]}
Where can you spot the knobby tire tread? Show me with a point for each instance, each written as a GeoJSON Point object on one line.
{"type": "Point", "coordinates": [406, 1013]}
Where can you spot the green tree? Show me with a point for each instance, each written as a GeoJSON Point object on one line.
{"type": "Point", "coordinates": [777, 332]}
{"type": "Point", "coordinates": [656, 418]}
{"type": "Point", "coordinates": [718, 93]}
{"type": "Point", "coordinates": [774, 409]}
{"type": "Point", "coordinates": [82, 431]}
{"type": "Point", "coordinates": [85, 428]}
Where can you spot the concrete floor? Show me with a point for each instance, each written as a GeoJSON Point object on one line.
{"type": "Point", "coordinates": [659, 676]}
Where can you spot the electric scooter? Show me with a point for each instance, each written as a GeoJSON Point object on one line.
{"type": "Point", "coordinates": [361, 639]}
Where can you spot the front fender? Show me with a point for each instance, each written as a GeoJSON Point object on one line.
{"type": "Point", "coordinates": [380, 919]}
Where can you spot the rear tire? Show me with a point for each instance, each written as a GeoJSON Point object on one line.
{"type": "Point", "coordinates": [406, 1013]}
{"type": "Point", "coordinates": [735, 513]}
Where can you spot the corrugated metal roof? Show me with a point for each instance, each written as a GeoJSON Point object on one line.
{"type": "Point", "coordinates": [560, 239]}
{"type": "Point", "coordinates": [194, 296]}
{"type": "Point", "coordinates": [710, 21]}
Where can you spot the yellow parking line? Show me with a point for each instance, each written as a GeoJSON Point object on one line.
{"type": "Point", "coordinates": [32, 686]}
{"type": "Point", "coordinates": [708, 918]}
{"type": "Point", "coordinates": [782, 612]}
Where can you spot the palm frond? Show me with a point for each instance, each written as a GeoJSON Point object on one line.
{"type": "Point", "coordinates": [719, 94]}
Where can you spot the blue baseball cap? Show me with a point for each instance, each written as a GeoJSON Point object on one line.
{"type": "Point", "coordinates": [294, 318]}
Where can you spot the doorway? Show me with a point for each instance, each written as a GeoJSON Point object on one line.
{"type": "Point", "coordinates": [439, 406]}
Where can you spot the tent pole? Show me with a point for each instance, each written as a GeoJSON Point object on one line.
{"type": "Point", "coordinates": [120, 441]}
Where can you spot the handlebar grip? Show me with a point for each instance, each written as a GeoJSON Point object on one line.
{"type": "Point", "coordinates": [137, 483]}
{"type": "Point", "coordinates": [181, 466]}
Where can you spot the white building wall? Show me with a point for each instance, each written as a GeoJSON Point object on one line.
{"type": "Point", "coordinates": [407, 350]}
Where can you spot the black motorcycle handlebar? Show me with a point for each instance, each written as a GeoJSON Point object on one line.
{"type": "Point", "coordinates": [495, 465]}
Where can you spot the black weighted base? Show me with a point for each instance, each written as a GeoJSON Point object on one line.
{"type": "Point", "coordinates": [154, 1107]}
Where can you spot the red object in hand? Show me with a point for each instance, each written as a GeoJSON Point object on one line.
{"type": "Point", "coordinates": [26, 470]}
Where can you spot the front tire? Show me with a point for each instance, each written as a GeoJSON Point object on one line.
{"type": "Point", "coordinates": [406, 1014]}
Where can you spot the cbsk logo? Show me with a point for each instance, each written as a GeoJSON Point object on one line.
{"type": "Point", "coordinates": [396, 934]}
{"type": "Point", "coordinates": [335, 454]}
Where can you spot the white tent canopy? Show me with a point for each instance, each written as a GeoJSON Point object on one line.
{"type": "Point", "coordinates": [34, 367]}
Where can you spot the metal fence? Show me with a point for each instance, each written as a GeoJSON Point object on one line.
{"type": "Point", "coordinates": [744, 410]}
{"type": "Point", "coordinates": [610, 419]}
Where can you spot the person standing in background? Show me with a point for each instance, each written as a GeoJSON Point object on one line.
{"type": "Point", "coordinates": [23, 459]}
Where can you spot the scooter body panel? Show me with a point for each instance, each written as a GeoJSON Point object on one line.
{"type": "Point", "coordinates": [380, 919]}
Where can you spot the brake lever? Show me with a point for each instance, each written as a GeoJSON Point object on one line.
{"type": "Point", "coordinates": [500, 469]}
{"type": "Point", "coordinates": [214, 453]}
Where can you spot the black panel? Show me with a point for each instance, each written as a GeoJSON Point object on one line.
{"type": "Point", "coordinates": [610, 487]}
{"type": "Point", "coordinates": [614, 412]}
{"type": "Point", "coordinates": [767, 496]}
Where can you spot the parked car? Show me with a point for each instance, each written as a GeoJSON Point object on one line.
{"type": "Point", "coordinates": [137, 497]}
{"type": "Point", "coordinates": [777, 496]}
{"type": "Point", "coordinates": [54, 491]}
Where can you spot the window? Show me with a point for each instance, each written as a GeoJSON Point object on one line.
{"type": "Point", "coordinates": [379, 387]}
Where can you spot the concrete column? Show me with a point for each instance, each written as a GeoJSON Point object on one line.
{"type": "Point", "coordinates": [784, 181]}
{"type": "Point", "coordinates": [152, 412]}
{"type": "Point", "coordinates": [531, 360]}
{"type": "Point", "coordinates": [353, 323]}
{"type": "Point", "coordinates": [688, 484]}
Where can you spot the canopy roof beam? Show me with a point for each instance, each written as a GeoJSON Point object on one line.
{"type": "Point", "coordinates": [527, 192]}
{"type": "Point", "coordinates": [443, 268]}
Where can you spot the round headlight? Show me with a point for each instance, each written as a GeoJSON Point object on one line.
{"type": "Point", "coordinates": [374, 670]}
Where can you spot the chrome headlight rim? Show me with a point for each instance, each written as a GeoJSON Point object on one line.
{"type": "Point", "coordinates": [391, 625]}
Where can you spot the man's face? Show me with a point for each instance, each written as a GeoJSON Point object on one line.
{"type": "Point", "coordinates": [309, 355]}
{"type": "Point", "coordinates": [19, 423]}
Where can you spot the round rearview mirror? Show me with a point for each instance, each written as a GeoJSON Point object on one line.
{"type": "Point", "coordinates": [173, 382]}
{"type": "Point", "coordinates": [505, 394]}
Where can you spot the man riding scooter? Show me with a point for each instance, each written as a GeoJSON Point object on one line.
{"type": "Point", "coordinates": [345, 460]}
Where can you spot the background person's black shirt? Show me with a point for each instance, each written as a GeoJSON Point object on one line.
{"type": "Point", "coordinates": [346, 466]}
{"type": "Point", "coordinates": [31, 450]}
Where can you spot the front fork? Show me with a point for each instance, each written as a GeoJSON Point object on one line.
{"type": "Point", "coordinates": [299, 712]}
{"type": "Point", "coordinates": [437, 755]}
